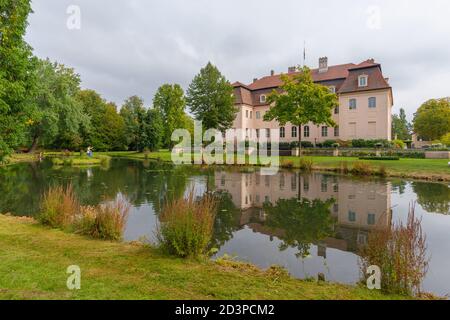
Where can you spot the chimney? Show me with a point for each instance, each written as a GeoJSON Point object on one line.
{"type": "Point", "coordinates": [255, 79]}
{"type": "Point", "coordinates": [323, 64]}
{"type": "Point", "coordinates": [292, 69]}
{"type": "Point", "coordinates": [272, 73]}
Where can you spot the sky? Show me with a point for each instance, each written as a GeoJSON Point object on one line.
{"type": "Point", "coordinates": [125, 48]}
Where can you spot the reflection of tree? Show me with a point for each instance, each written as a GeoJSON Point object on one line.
{"type": "Point", "coordinates": [227, 220]}
{"type": "Point", "coordinates": [433, 197]}
{"type": "Point", "coordinates": [399, 185]}
{"type": "Point", "coordinates": [302, 222]}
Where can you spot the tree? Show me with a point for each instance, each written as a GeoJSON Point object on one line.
{"type": "Point", "coordinates": [210, 98]}
{"type": "Point", "coordinates": [153, 130]}
{"type": "Point", "coordinates": [107, 127]}
{"type": "Point", "coordinates": [133, 112]}
{"type": "Point", "coordinates": [301, 101]}
{"type": "Point", "coordinates": [17, 81]}
{"type": "Point", "coordinates": [56, 110]}
{"type": "Point", "coordinates": [170, 103]}
{"type": "Point", "coordinates": [432, 120]}
{"type": "Point", "coordinates": [401, 128]}
{"type": "Point", "coordinates": [446, 140]}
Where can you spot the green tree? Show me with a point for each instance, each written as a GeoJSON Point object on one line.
{"type": "Point", "coordinates": [210, 98]}
{"type": "Point", "coordinates": [133, 113]}
{"type": "Point", "coordinates": [153, 130]}
{"type": "Point", "coordinates": [446, 140]}
{"type": "Point", "coordinates": [169, 101]}
{"type": "Point", "coordinates": [400, 126]}
{"type": "Point", "coordinates": [432, 120]}
{"type": "Point", "coordinates": [107, 128]}
{"type": "Point", "coordinates": [301, 101]}
{"type": "Point", "coordinates": [303, 222]}
{"type": "Point", "coordinates": [17, 81]}
{"type": "Point", "coordinates": [56, 111]}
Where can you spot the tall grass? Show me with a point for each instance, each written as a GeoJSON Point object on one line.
{"type": "Point", "coordinates": [306, 164]}
{"type": "Point", "coordinates": [401, 254]}
{"type": "Point", "coordinates": [59, 206]}
{"type": "Point", "coordinates": [186, 225]}
{"type": "Point", "coordinates": [104, 221]}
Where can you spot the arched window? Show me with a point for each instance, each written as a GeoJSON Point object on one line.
{"type": "Point", "coordinates": [306, 131]}
{"type": "Point", "coordinates": [294, 132]}
{"type": "Point", "coordinates": [282, 132]}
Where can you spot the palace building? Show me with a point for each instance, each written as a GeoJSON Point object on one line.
{"type": "Point", "coordinates": [364, 112]}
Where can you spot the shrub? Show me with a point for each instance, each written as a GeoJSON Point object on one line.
{"type": "Point", "coordinates": [399, 144]}
{"type": "Point", "coordinates": [104, 160]}
{"type": "Point", "coordinates": [400, 252]}
{"type": "Point", "coordinates": [306, 164]}
{"type": "Point", "coordinates": [105, 221]}
{"type": "Point", "coordinates": [361, 169]}
{"type": "Point", "coordinates": [305, 144]}
{"type": "Point", "coordinates": [59, 206]}
{"type": "Point", "coordinates": [382, 171]}
{"type": "Point", "coordinates": [329, 143]}
{"type": "Point", "coordinates": [388, 158]}
{"type": "Point", "coordinates": [343, 167]}
{"type": "Point", "coordinates": [186, 225]}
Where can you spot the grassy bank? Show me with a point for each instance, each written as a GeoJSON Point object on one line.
{"type": "Point", "coordinates": [34, 260]}
{"type": "Point", "coordinates": [425, 169]}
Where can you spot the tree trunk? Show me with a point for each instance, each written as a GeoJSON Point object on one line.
{"type": "Point", "coordinates": [34, 145]}
{"type": "Point", "coordinates": [300, 140]}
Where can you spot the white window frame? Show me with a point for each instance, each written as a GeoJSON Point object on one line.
{"type": "Point", "coordinates": [282, 132]}
{"type": "Point", "coordinates": [366, 81]}
{"type": "Point", "coordinates": [294, 132]}
{"type": "Point", "coordinates": [258, 114]}
{"type": "Point", "coordinates": [324, 131]}
{"type": "Point", "coordinates": [350, 104]}
{"type": "Point", "coordinates": [332, 89]}
{"type": "Point", "coordinates": [263, 98]}
{"type": "Point", "coordinates": [306, 131]}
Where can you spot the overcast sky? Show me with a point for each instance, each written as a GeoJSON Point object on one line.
{"type": "Point", "coordinates": [123, 48]}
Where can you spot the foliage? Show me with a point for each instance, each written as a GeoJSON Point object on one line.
{"type": "Point", "coordinates": [446, 139]}
{"type": "Point", "coordinates": [301, 101]}
{"type": "Point", "coordinates": [306, 164]}
{"type": "Point", "coordinates": [401, 128]}
{"type": "Point", "coordinates": [361, 143]}
{"type": "Point", "coordinates": [399, 144]}
{"type": "Point", "coordinates": [17, 79]}
{"type": "Point", "coordinates": [107, 127]}
{"type": "Point", "coordinates": [186, 225]}
{"type": "Point", "coordinates": [433, 197]}
{"type": "Point", "coordinates": [104, 221]}
{"type": "Point", "coordinates": [169, 101]}
{"type": "Point", "coordinates": [432, 120]}
{"type": "Point", "coordinates": [59, 206]}
{"type": "Point", "coordinates": [210, 99]}
{"type": "Point", "coordinates": [401, 253]}
{"type": "Point", "coordinates": [303, 221]}
{"type": "Point", "coordinates": [380, 158]}
{"type": "Point", "coordinates": [361, 169]}
{"type": "Point", "coordinates": [56, 110]}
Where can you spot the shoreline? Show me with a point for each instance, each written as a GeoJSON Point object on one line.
{"type": "Point", "coordinates": [135, 271]}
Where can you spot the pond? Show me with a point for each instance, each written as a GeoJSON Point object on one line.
{"type": "Point", "coordinates": [261, 219]}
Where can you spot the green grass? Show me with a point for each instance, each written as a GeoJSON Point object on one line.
{"type": "Point", "coordinates": [428, 169]}
{"type": "Point", "coordinates": [34, 260]}
{"type": "Point", "coordinates": [81, 160]}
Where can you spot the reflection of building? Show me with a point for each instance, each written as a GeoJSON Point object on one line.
{"type": "Point", "coordinates": [359, 207]}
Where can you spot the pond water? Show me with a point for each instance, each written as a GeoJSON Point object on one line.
{"type": "Point", "coordinates": [261, 219]}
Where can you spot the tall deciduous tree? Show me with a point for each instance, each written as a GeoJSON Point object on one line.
{"type": "Point", "coordinates": [170, 103]}
{"type": "Point", "coordinates": [210, 98]}
{"type": "Point", "coordinates": [133, 113]}
{"type": "Point", "coordinates": [56, 110]}
{"type": "Point", "coordinates": [301, 101]}
{"type": "Point", "coordinates": [400, 126]}
{"type": "Point", "coordinates": [17, 80]}
{"type": "Point", "coordinates": [107, 127]}
{"type": "Point", "coordinates": [432, 120]}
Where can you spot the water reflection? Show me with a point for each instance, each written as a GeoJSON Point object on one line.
{"type": "Point", "coordinates": [308, 223]}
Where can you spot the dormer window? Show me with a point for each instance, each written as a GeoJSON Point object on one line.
{"type": "Point", "coordinates": [332, 89]}
{"type": "Point", "coordinates": [263, 98]}
{"type": "Point", "coordinates": [363, 80]}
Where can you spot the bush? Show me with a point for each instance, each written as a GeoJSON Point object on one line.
{"type": "Point", "coordinates": [329, 143]}
{"type": "Point", "coordinates": [361, 143]}
{"type": "Point", "coordinates": [287, 164]}
{"type": "Point", "coordinates": [399, 144]}
{"type": "Point", "coordinates": [305, 144]}
{"type": "Point", "coordinates": [306, 164]}
{"type": "Point", "coordinates": [400, 252]}
{"type": "Point", "coordinates": [380, 158]}
{"type": "Point", "coordinates": [105, 221]}
{"type": "Point", "coordinates": [59, 206]}
{"type": "Point", "coordinates": [186, 226]}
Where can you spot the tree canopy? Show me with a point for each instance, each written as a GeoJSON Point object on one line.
{"type": "Point", "coordinates": [301, 101]}
{"type": "Point", "coordinates": [400, 126]}
{"type": "Point", "coordinates": [210, 98]}
{"type": "Point", "coordinates": [432, 120]}
{"type": "Point", "coordinates": [17, 79]}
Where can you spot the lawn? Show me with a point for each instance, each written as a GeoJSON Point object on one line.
{"type": "Point", "coordinates": [428, 169]}
{"type": "Point", "coordinates": [34, 260]}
